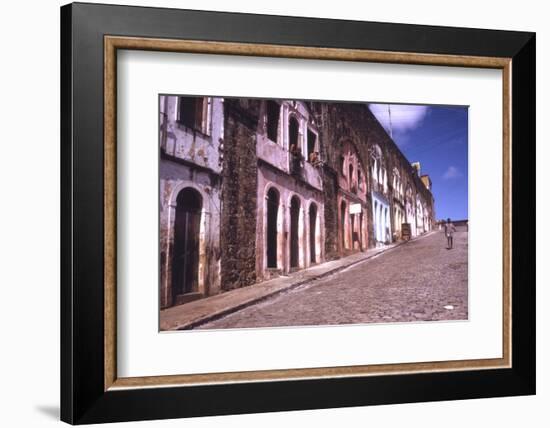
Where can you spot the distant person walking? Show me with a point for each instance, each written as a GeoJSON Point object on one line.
{"type": "Point", "coordinates": [449, 230]}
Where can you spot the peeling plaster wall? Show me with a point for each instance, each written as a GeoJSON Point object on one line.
{"type": "Point", "coordinates": [175, 177]}
{"type": "Point", "coordinates": [276, 153]}
{"type": "Point", "coordinates": [201, 149]}
{"type": "Point", "coordinates": [287, 187]}
{"type": "Point", "coordinates": [189, 158]}
{"type": "Point", "coordinates": [305, 182]}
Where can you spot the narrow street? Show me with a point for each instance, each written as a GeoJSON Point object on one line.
{"type": "Point", "coordinates": [418, 281]}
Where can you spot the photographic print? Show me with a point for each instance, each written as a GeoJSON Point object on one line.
{"type": "Point", "coordinates": [283, 213]}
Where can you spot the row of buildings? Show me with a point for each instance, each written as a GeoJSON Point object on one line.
{"type": "Point", "coordinates": [251, 189]}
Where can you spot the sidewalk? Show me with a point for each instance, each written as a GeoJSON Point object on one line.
{"type": "Point", "coordinates": [198, 312]}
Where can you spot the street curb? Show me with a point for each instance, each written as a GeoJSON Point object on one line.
{"type": "Point", "coordinates": [227, 311]}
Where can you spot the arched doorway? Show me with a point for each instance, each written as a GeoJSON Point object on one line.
{"type": "Point", "coordinates": [376, 222]}
{"type": "Point", "coordinates": [185, 262]}
{"type": "Point", "coordinates": [361, 230]}
{"type": "Point", "coordinates": [294, 232]}
{"type": "Point", "coordinates": [312, 227]}
{"type": "Point", "coordinates": [352, 230]}
{"type": "Point", "coordinates": [387, 234]}
{"type": "Point", "coordinates": [272, 212]}
{"type": "Point", "coordinates": [343, 224]}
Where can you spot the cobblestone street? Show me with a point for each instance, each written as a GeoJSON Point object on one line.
{"type": "Point", "coordinates": [418, 281]}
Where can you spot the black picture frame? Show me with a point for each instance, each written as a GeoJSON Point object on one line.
{"type": "Point", "coordinates": [83, 396]}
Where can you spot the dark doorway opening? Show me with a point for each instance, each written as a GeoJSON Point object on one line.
{"type": "Point", "coordinates": [293, 134]}
{"type": "Point", "coordinates": [311, 137]}
{"type": "Point", "coordinates": [273, 112]}
{"type": "Point", "coordinates": [343, 224]}
{"type": "Point", "coordinates": [191, 111]}
{"type": "Point", "coordinates": [272, 211]}
{"type": "Point", "coordinates": [312, 225]}
{"type": "Point", "coordinates": [185, 263]}
{"type": "Point", "coordinates": [294, 231]}
{"type": "Point", "coordinates": [294, 148]}
{"type": "Point", "coordinates": [361, 230]}
{"type": "Point", "coordinates": [352, 230]}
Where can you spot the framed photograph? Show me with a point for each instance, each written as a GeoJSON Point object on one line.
{"type": "Point", "coordinates": [267, 213]}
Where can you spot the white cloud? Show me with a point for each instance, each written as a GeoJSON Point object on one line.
{"type": "Point", "coordinates": [452, 172]}
{"type": "Point", "coordinates": [403, 117]}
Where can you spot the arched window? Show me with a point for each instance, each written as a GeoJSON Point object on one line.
{"type": "Point", "coordinates": [377, 151]}
{"type": "Point", "coordinates": [376, 156]}
{"type": "Point", "coordinates": [311, 143]}
{"type": "Point", "coordinates": [272, 120]}
{"type": "Point", "coordinates": [293, 128]}
{"type": "Point", "coordinates": [296, 156]}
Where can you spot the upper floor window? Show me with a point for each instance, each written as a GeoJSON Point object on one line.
{"type": "Point", "coordinates": [272, 120]}
{"type": "Point", "coordinates": [409, 192]}
{"type": "Point", "coordinates": [293, 127]}
{"type": "Point", "coordinates": [194, 113]}
{"type": "Point", "coordinates": [376, 155]}
{"type": "Point", "coordinates": [312, 154]}
{"type": "Point", "coordinates": [397, 186]}
{"type": "Point", "coordinates": [376, 152]}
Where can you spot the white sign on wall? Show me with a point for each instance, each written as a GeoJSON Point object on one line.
{"type": "Point", "coordinates": [355, 208]}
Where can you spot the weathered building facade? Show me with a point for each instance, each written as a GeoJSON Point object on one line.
{"type": "Point", "coordinates": [190, 197]}
{"type": "Point", "coordinates": [251, 189]}
{"type": "Point", "coordinates": [289, 220]}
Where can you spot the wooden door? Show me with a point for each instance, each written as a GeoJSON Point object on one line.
{"type": "Point", "coordinates": [185, 263]}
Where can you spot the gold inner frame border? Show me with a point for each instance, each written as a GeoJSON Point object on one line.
{"type": "Point", "coordinates": [113, 43]}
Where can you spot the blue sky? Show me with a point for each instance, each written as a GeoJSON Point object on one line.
{"type": "Point", "coordinates": [437, 137]}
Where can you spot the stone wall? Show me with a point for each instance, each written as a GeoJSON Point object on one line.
{"type": "Point", "coordinates": [239, 188]}
{"type": "Point", "coordinates": [340, 123]}
{"type": "Point", "coordinates": [330, 186]}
